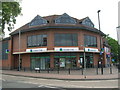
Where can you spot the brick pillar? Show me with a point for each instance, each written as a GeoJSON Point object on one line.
{"type": "Point", "coordinates": [95, 59]}
{"type": "Point", "coordinates": [51, 60]}
{"type": "Point", "coordinates": [104, 59]}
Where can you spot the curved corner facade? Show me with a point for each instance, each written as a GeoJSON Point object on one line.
{"type": "Point", "coordinates": [56, 41]}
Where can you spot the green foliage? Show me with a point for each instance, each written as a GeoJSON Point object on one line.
{"type": "Point", "coordinates": [114, 47]}
{"type": "Point", "coordinates": [10, 10]}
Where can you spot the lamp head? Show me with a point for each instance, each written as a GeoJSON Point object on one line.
{"type": "Point", "coordinates": [98, 11]}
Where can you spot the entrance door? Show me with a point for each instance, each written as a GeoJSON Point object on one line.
{"type": "Point", "coordinates": [89, 62]}
{"type": "Point", "coordinates": [68, 63]}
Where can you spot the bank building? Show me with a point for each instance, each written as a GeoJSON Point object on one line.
{"type": "Point", "coordinates": [55, 41]}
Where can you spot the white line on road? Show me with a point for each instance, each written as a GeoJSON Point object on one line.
{"type": "Point", "coordinates": [112, 80]}
{"type": "Point", "coordinates": [2, 79]}
{"type": "Point", "coordinates": [46, 86]}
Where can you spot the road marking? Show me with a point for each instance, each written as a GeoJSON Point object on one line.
{"type": "Point", "coordinates": [31, 78]}
{"type": "Point", "coordinates": [112, 80]}
{"type": "Point", "coordinates": [40, 85]}
{"type": "Point", "coordinates": [28, 82]}
{"type": "Point", "coordinates": [2, 79]}
{"type": "Point", "coordinates": [46, 86]}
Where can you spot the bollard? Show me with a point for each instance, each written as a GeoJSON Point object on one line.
{"type": "Point", "coordinates": [102, 69]}
{"type": "Point", "coordinates": [69, 71]}
{"type": "Point", "coordinates": [97, 69]}
{"type": "Point", "coordinates": [58, 70]}
{"type": "Point", "coordinates": [82, 71]}
{"type": "Point", "coordinates": [39, 70]}
{"type": "Point", "coordinates": [110, 69]}
{"type": "Point", "coordinates": [48, 70]}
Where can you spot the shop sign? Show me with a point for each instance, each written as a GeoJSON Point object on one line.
{"type": "Point", "coordinates": [36, 50]}
{"type": "Point", "coordinates": [91, 50]}
{"type": "Point", "coordinates": [7, 51]}
{"type": "Point", "coordinates": [67, 49]}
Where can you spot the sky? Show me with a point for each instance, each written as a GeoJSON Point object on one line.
{"type": "Point", "coordinates": [74, 8]}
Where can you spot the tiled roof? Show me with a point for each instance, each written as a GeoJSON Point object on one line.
{"type": "Point", "coordinates": [51, 24]}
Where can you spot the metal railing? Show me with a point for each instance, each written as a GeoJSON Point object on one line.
{"type": "Point", "coordinates": [76, 71]}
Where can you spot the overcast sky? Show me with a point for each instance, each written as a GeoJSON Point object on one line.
{"type": "Point", "coordinates": [75, 8]}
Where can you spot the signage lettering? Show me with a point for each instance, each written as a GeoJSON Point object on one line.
{"type": "Point", "coordinates": [66, 49]}
{"type": "Point", "coordinates": [91, 50]}
{"type": "Point", "coordinates": [36, 50]}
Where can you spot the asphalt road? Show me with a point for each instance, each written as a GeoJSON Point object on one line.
{"type": "Point", "coordinates": [9, 81]}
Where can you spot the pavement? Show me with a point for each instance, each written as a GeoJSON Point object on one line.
{"type": "Point", "coordinates": [62, 76]}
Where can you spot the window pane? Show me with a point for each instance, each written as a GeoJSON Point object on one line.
{"type": "Point", "coordinates": [29, 41]}
{"type": "Point", "coordinates": [66, 39]}
{"type": "Point", "coordinates": [37, 40]}
{"type": "Point", "coordinates": [56, 38]}
{"type": "Point", "coordinates": [34, 40]}
{"type": "Point", "coordinates": [90, 41]}
{"type": "Point", "coordinates": [44, 40]}
{"type": "Point", "coordinates": [74, 39]}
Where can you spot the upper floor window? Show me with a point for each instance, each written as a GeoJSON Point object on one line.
{"type": "Point", "coordinates": [65, 19]}
{"type": "Point", "coordinates": [37, 40]}
{"type": "Point", "coordinates": [38, 21]}
{"type": "Point", "coordinates": [87, 22]}
{"type": "Point", "coordinates": [65, 39]}
{"type": "Point", "coordinates": [90, 41]}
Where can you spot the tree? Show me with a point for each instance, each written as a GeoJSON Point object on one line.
{"type": "Point", "coordinates": [10, 10]}
{"type": "Point", "coordinates": [114, 47]}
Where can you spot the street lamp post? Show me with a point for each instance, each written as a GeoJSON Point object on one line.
{"type": "Point", "coordinates": [100, 42]}
{"type": "Point", "coordinates": [84, 64]}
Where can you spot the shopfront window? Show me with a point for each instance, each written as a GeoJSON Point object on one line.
{"type": "Point", "coordinates": [65, 60]}
{"type": "Point", "coordinates": [40, 61]}
{"type": "Point", "coordinates": [88, 58]}
{"type": "Point", "coordinates": [66, 39]}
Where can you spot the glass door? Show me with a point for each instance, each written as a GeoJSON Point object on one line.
{"type": "Point", "coordinates": [42, 63]}
{"type": "Point", "coordinates": [89, 61]}
{"type": "Point", "coordinates": [68, 63]}
{"type": "Point", "coordinates": [73, 63]}
{"type": "Point", "coordinates": [37, 63]}
{"type": "Point", "coordinates": [62, 62]}
{"type": "Point", "coordinates": [33, 63]}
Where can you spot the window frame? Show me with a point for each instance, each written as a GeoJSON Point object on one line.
{"type": "Point", "coordinates": [90, 40]}
{"type": "Point", "coordinates": [37, 41]}
{"type": "Point", "coordinates": [62, 41]}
